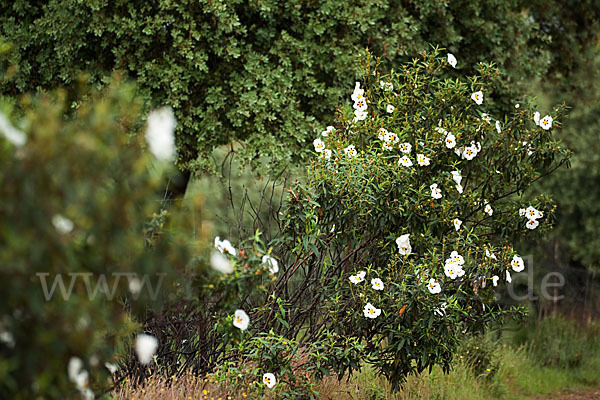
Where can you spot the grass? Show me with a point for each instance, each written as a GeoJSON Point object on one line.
{"type": "Point", "coordinates": [533, 362]}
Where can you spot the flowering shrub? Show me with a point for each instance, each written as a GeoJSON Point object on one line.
{"type": "Point", "coordinates": [396, 241]}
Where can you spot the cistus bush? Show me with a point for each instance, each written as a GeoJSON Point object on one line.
{"type": "Point", "coordinates": [81, 254]}
{"type": "Point", "coordinates": [392, 247]}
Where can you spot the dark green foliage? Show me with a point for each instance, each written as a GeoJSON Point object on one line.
{"type": "Point", "coordinates": [89, 171]}
{"type": "Point", "coordinates": [264, 73]}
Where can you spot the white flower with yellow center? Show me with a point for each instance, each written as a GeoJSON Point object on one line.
{"type": "Point", "coordinates": [358, 94]}
{"type": "Point", "coordinates": [450, 269]}
{"type": "Point", "coordinates": [457, 223]}
{"type": "Point", "coordinates": [390, 109]}
{"type": "Point", "coordinates": [477, 97]}
{"type": "Point", "coordinates": [457, 258]}
{"type": "Point", "coordinates": [376, 284]}
{"type": "Point", "coordinates": [522, 212]}
{"type": "Point", "coordinates": [489, 254]}
{"type": "Point", "coordinates": [452, 60]}
{"type": "Point", "coordinates": [533, 213]}
{"type": "Point", "coordinates": [469, 152]}
{"type": "Point", "coordinates": [405, 148]}
{"type": "Point", "coordinates": [422, 160]}
{"type": "Point", "coordinates": [488, 208]}
{"type": "Point", "coordinates": [360, 104]}
{"type": "Point", "coordinates": [436, 193]}
{"type": "Point", "coordinates": [546, 122]}
{"type": "Point", "coordinates": [326, 154]}
{"type": "Point", "coordinates": [371, 312]}
{"type": "Point", "coordinates": [358, 278]}
{"type": "Point", "coordinates": [319, 145]}
{"type": "Point", "coordinates": [382, 133]}
{"type": "Point", "coordinates": [450, 141]}
{"type": "Point", "coordinates": [403, 243]}
{"type": "Point", "coordinates": [433, 286]}
{"type": "Point", "coordinates": [391, 137]}
{"type": "Point", "coordinates": [241, 319]}
{"type": "Point", "coordinates": [220, 263]}
{"type": "Point", "coordinates": [532, 224]}
{"type": "Point", "coordinates": [350, 151]}
{"type": "Point", "coordinates": [270, 263]}
{"type": "Point", "coordinates": [517, 264]}
{"type": "Point", "coordinates": [405, 161]}
{"type": "Point", "coordinates": [459, 188]}
{"type": "Point", "coordinates": [486, 118]}
{"type": "Point", "coordinates": [269, 380]}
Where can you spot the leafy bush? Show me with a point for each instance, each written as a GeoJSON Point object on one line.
{"type": "Point", "coordinates": [78, 195]}
{"type": "Point", "coordinates": [374, 268]}
{"type": "Point", "coordinates": [266, 73]}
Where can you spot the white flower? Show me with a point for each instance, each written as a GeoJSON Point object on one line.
{"type": "Point", "coordinates": [326, 154]}
{"type": "Point", "coordinates": [517, 105]}
{"type": "Point", "coordinates": [272, 263]}
{"type": "Point", "coordinates": [422, 160]}
{"type": "Point", "coordinates": [457, 223]}
{"type": "Point", "coordinates": [405, 148]}
{"type": "Point", "coordinates": [11, 133]}
{"type": "Point", "coordinates": [159, 133]}
{"type": "Point", "coordinates": [452, 60]}
{"type": "Point", "coordinates": [498, 127]}
{"type": "Point", "coordinates": [546, 122]}
{"type": "Point", "coordinates": [403, 242]}
{"type": "Point", "coordinates": [533, 213]}
{"type": "Point", "coordinates": [433, 286]}
{"type": "Point", "coordinates": [319, 145]}
{"type": "Point", "coordinates": [382, 133]}
{"type": "Point", "coordinates": [435, 192]}
{"type": "Point", "coordinates": [489, 254]}
{"type": "Point", "coordinates": [495, 279]}
{"type": "Point", "coordinates": [517, 264]}
{"type": "Point", "coordinates": [470, 152]}
{"type": "Point", "coordinates": [269, 380]}
{"type": "Point", "coordinates": [370, 311]}
{"type": "Point", "coordinates": [112, 368]}
{"type": "Point", "coordinates": [387, 86]}
{"type": "Point", "coordinates": [459, 188]}
{"type": "Point", "coordinates": [391, 137]}
{"type": "Point", "coordinates": [350, 151]}
{"type": "Point", "coordinates": [359, 115]}
{"type": "Point", "coordinates": [360, 105]}
{"type": "Point", "coordinates": [135, 285]}
{"type": "Point", "coordinates": [358, 93]}
{"type": "Point", "coordinates": [457, 177]}
{"type": "Point", "coordinates": [327, 131]}
{"type": "Point", "coordinates": [224, 246]}
{"type": "Point", "coordinates": [441, 310]}
{"type": "Point", "coordinates": [488, 208]}
{"type": "Point", "coordinates": [532, 223]}
{"type": "Point", "coordinates": [405, 161]}
{"type": "Point", "coordinates": [522, 212]}
{"type": "Point", "coordinates": [457, 258]}
{"type": "Point", "coordinates": [145, 347]}
{"type": "Point", "coordinates": [450, 270]}
{"type": "Point", "coordinates": [536, 117]}
{"type": "Point", "coordinates": [390, 108]}
{"type": "Point", "coordinates": [62, 224]}
{"type": "Point", "coordinates": [450, 141]}
{"type": "Point", "coordinates": [376, 284]}
{"type": "Point", "coordinates": [508, 278]}
{"type": "Point", "coordinates": [477, 97]}
{"type": "Point", "coordinates": [241, 319]}
{"type": "Point", "coordinates": [358, 278]}
{"type": "Point", "coordinates": [74, 368]}
{"type": "Point", "coordinates": [485, 117]}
